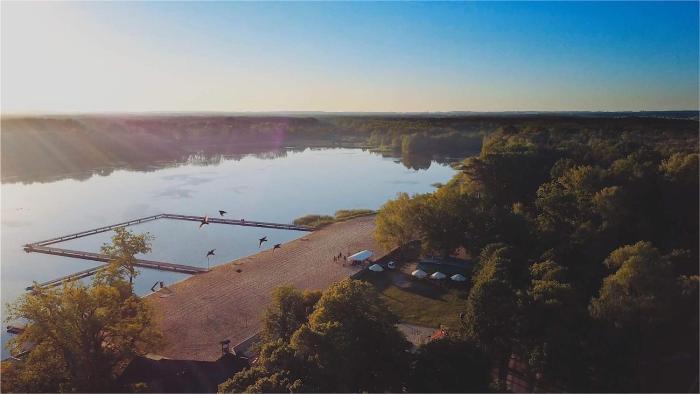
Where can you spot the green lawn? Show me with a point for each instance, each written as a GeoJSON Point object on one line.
{"type": "Point", "coordinates": [418, 301]}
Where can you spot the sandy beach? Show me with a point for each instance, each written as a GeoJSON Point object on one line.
{"type": "Point", "coordinates": [227, 304]}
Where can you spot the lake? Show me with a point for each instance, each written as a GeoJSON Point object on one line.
{"type": "Point", "coordinates": [277, 187]}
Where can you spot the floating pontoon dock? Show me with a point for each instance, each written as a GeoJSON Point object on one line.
{"type": "Point", "coordinates": [42, 246]}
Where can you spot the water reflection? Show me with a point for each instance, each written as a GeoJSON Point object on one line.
{"type": "Point", "coordinates": [275, 186]}
{"type": "Point", "coordinates": [210, 156]}
{"type": "Point", "coordinates": [48, 172]}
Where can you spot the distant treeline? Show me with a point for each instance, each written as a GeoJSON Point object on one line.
{"type": "Point", "coordinates": [36, 148]}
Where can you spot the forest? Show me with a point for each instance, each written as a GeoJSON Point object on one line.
{"type": "Point", "coordinates": [40, 148]}
{"type": "Point", "coordinates": [585, 244]}
{"type": "Point", "coordinates": [584, 239]}
{"type": "Point", "coordinates": [586, 249]}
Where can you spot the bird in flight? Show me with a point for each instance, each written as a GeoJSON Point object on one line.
{"type": "Point", "coordinates": [261, 240]}
{"type": "Point", "coordinates": [204, 221]}
{"type": "Point", "coordinates": [210, 253]}
{"type": "Point", "coordinates": [222, 213]}
{"type": "Point", "coordinates": [277, 246]}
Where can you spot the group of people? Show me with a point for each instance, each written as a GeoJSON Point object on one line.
{"type": "Point", "coordinates": [339, 257]}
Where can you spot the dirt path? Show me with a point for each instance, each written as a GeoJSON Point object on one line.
{"type": "Point", "coordinates": [225, 304]}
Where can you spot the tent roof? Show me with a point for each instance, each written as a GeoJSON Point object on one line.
{"type": "Point", "coordinates": [458, 278]}
{"type": "Point", "coordinates": [361, 256]}
{"type": "Point", "coordinates": [438, 275]}
{"type": "Point", "coordinates": [376, 268]}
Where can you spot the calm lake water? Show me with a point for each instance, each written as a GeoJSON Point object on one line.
{"type": "Point", "coordinates": [278, 187]}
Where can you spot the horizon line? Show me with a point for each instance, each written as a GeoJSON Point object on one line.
{"type": "Point", "coordinates": [311, 112]}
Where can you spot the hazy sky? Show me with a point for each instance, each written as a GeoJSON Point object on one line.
{"type": "Point", "coordinates": [104, 57]}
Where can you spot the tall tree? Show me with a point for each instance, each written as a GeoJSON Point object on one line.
{"type": "Point", "coordinates": [80, 336]}
{"type": "Point", "coordinates": [396, 221]}
{"type": "Point", "coordinates": [640, 309]}
{"type": "Point", "coordinates": [349, 344]}
{"type": "Point", "coordinates": [351, 320]}
{"type": "Point", "coordinates": [450, 365]}
{"type": "Point", "coordinates": [289, 309]}
{"type": "Point", "coordinates": [492, 312]}
{"type": "Point", "coordinates": [123, 249]}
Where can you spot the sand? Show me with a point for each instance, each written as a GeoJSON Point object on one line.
{"type": "Point", "coordinates": [225, 304]}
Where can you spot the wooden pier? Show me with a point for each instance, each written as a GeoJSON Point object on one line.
{"type": "Point", "coordinates": [159, 265]}
{"type": "Point", "coordinates": [96, 230]}
{"type": "Point", "coordinates": [237, 222]}
{"type": "Point", "coordinates": [67, 278]}
{"type": "Point", "coordinates": [42, 246]}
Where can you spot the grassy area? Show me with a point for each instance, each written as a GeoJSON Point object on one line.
{"type": "Point", "coordinates": [316, 221]}
{"type": "Point", "coordinates": [418, 301]}
{"type": "Point", "coordinates": [345, 214]}
{"type": "Point", "coordinates": [319, 221]}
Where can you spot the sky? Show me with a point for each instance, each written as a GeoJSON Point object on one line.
{"type": "Point", "coordinates": [75, 57]}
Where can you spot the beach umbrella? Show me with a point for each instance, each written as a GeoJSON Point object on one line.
{"type": "Point", "coordinates": [376, 268]}
{"type": "Point", "coordinates": [458, 278]}
{"type": "Point", "coordinates": [419, 274]}
{"type": "Point", "coordinates": [438, 275]}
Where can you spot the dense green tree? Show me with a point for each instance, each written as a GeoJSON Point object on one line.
{"type": "Point", "coordinates": [640, 309]}
{"type": "Point", "coordinates": [123, 249]}
{"type": "Point", "coordinates": [349, 344]}
{"type": "Point", "coordinates": [396, 221]}
{"type": "Point", "coordinates": [450, 365]}
{"type": "Point", "coordinates": [276, 370]}
{"type": "Point", "coordinates": [492, 313]}
{"type": "Point", "coordinates": [289, 309]}
{"type": "Point", "coordinates": [444, 220]}
{"type": "Point", "coordinates": [80, 336]}
{"type": "Point", "coordinates": [351, 320]}
{"type": "Point", "coordinates": [639, 292]}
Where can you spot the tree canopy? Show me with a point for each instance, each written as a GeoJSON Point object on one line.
{"type": "Point", "coordinates": [82, 336]}
{"type": "Point", "coordinates": [348, 344]}
{"type": "Point", "coordinates": [585, 242]}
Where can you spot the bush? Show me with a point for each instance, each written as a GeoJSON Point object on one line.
{"type": "Point", "coordinates": [316, 221]}
{"type": "Point", "coordinates": [345, 214]}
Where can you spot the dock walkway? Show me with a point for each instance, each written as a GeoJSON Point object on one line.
{"type": "Point", "coordinates": [238, 222]}
{"type": "Point", "coordinates": [42, 246]}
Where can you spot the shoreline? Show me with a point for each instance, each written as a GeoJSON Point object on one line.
{"type": "Point", "coordinates": [228, 302]}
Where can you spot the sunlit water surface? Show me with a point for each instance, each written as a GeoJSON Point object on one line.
{"type": "Point", "coordinates": [277, 189]}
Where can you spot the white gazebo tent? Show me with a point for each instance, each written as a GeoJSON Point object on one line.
{"type": "Point", "coordinates": [458, 278]}
{"type": "Point", "coordinates": [361, 256]}
{"type": "Point", "coordinates": [438, 275]}
{"type": "Point", "coordinates": [419, 274]}
{"type": "Point", "coordinates": [376, 268]}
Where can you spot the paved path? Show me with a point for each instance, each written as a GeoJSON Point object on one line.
{"type": "Point", "coordinates": [225, 304]}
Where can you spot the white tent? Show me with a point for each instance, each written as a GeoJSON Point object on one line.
{"type": "Point", "coordinates": [438, 275]}
{"type": "Point", "coordinates": [361, 256]}
{"type": "Point", "coordinates": [376, 268]}
{"type": "Point", "coordinates": [419, 274]}
{"type": "Point", "coordinates": [391, 265]}
{"type": "Point", "coordinates": [458, 278]}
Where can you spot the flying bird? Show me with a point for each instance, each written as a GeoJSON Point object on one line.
{"type": "Point", "coordinates": [204, 221]}
{"type": "Point", "coordinates": [277, 246]}
{"type": "Point", "coordinates": [222, 213]}
{"type": "Point", "coordinates": [210, 253]}
{"type": "Point", "coordinates": [261, 240]}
